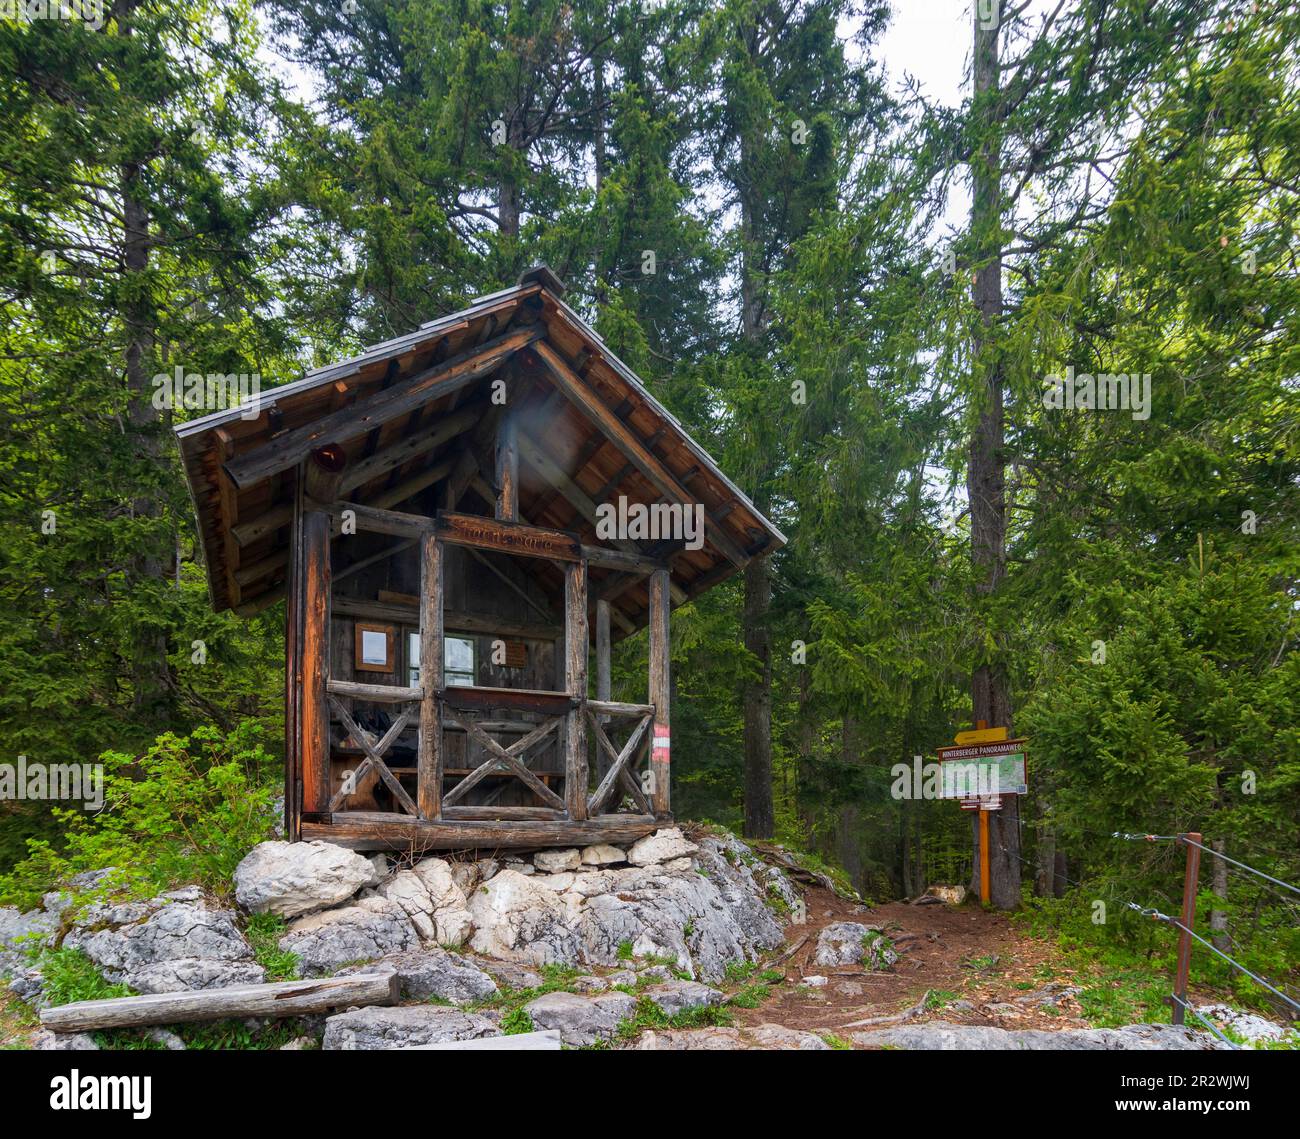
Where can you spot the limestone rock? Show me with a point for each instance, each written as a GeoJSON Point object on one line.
{"type": "Point", "coordinates": [675, 997]}
{"type": "Point", "coordinates": [20, 932]}
{"type": "Point", "coordinates": [369, 929]}
{"type": "Point", "coordinates": [767, 1037]}
{"type": "Point", "coordinates": [43, 1040]}
{"type": "Point", "coordinates": [296, 878]}
{"type": "Point", "coordinates": [662, 846]}
{"type": "Point", "coordinates": [556, 861]}
{"type": "Point", "coordinates": [517, 920]}
{"type": "Point", "coordinates": [167, 946]}
{"type": "Point", "coordinates": [426, 973]}
{"type": "Point", "coordinates": [603, 854]}
{"type": "Point", "coordinates": [938, 1034]}
{"type": "Point", "coordinates": [851, 942]}
{"type": "Point", "coordinates": [581, 1020]}
{"type": "Point", "coordinates": [508, 975]}
{"type": "Point", "coordinates": [367, 1029]}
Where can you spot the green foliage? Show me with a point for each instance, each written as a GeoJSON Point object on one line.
{"type": "Point", "coordinates": [516, 1021]}
{"type": "Point", "coordinates": [71, 976]}
{"type": "Point", "coordinates": [264, 932]}
{"type": "Point", "coordinates": [185, 811]}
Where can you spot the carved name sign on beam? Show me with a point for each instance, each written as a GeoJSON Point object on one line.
{"type": "Point", "coordinates": [436, 382]}
{"type": "Point", "coordinates": [508, 537]}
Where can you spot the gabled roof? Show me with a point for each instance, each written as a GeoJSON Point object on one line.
{"type": "Point", "coordinates": [402, 411]}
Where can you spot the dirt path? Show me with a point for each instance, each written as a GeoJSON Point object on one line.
{"type": "Point", "coordinates": [976, 967]}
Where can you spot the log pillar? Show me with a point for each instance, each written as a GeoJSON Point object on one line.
{"type": "Point", "coordinates": [313, 720]}
{"type": "Point", "coordinates": [430, 761]}
{"type": "Point", "coordinates": [575, 677]}
{"type": "Point", "coordinates": [660, 691]}
{"type": "Point", "coordinates": [604, 674]}
{"type": "Point", "coordinates": [507, 468]}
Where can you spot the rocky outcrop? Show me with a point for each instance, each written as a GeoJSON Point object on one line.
{"type": "Point", "coordinates": [370, 928]}
{"type": "Point", "coordinates": [167, 944]}
{"type": "Point", "coordinates": [296, 878]}
{"type": "Point", "coordinates": [518, 920]}
{"type": "Point", "coordinates": [425, 973]}
{"type": "Point", "coordinates": [675, 997]}
{"type": "Point", "coordinates": [368, 1029]}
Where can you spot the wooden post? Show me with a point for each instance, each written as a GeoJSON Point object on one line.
{"type": "Point", "coordinates": [314, 717]}
{"type": "Point", "coordinates": [1190, 877]}
{"type": "Point", "coordinates": [507, 468]}
{"type": "Point", "coordinates": [293, 674]}
{"type": "Point", "coordinates": [604, 675]}
{"type": "Point", "coordinates": [985, 885]}
{"type": "Point", "coordinates": [575, 683]}
{"type": "Point", "coordinates": [323, 473]}
{"type": "Point", "coordinates": [660, 691]}
{"type": "Point", "coordinates": [431, 618]}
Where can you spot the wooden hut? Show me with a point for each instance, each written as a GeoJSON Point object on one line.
{"type": "Point", "coordinates": [434, 511]}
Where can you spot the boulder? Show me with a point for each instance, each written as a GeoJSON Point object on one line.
{"type": "Point", "coordinates": [368, 1029]}
{"type": "Point", "coordinates": [451, 916]}
{"type": "Point", "coordinates": [43, 1040]}
{"type": "Point", "coordinates": [296, 878]}
{"type": "Point", "coordinates": [470, 875]}
{"type": "Point", "coordinates": [426, 973]}
{"type": "Point", "coordinates": [851, 942]}
{"type": "Point", "coordinates": [603, 854]}
{"type": "Point", "coordinates": [662, 846]}
{"type": "Point", "coordinates": [517, 920]}
{"type": "Point", "coordinates": [581, 1021]}
{"type": "Point", "coordinates": [166, 946]}
{"type": "Point", "coordinates": [369, 929]}
{"type": "Point", "coordinates": [556, 861]}
{"type": "Point", "coordinates": [29, 985]}
{"type": "Point", "coordinates": [508, 975]}
{"type": "Point", "coordinates": [675, 997]}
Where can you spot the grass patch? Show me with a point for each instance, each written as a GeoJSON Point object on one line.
{"type": "Point", "coordinates": [264, 932]}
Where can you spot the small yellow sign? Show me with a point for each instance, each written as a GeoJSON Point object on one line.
{"type": "Point", "coordinates": [981, 736]}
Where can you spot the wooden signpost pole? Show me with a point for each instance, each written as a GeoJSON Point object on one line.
{"type": "Point", "coordinates": [985, 895]}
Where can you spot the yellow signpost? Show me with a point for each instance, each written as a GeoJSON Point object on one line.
{"type": "Point", "coordinates": [991, 745]}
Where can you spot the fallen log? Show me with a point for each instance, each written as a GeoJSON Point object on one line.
{"type": "Point", "coordinates": [279, 998]}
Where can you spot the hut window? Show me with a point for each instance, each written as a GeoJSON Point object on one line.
{"type": "Point", "coordinates": [457, 660]}
{"type": "Point", "coordinates": [374, 648]}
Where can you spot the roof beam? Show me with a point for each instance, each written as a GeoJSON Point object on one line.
{"type": "Point", "coordinates": [550, 470]}
{"type": "Point", "coordinates": [435, 382]}
{"type": "Point", "coordinates": [621, 435]}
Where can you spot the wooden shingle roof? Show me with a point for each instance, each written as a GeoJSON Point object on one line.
{"type": "Point", "coordinates": [402, 411]}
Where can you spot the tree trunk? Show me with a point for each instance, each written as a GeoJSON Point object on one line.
{"type": "Point", "coordinates": [148, 563]}
{"type": "Point", "coordinates": [1219, 885]}
{"type": "Point", "coordinates": [985, 488]}
{"type": "Point", "coordinates": [760, 816]}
